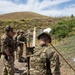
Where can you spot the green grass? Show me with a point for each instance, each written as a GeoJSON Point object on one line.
{"type": "Point", "coordinates": [68, 45]}
{"type": "Point", "coordinates": [67, 50]}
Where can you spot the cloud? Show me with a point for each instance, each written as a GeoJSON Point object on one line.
{"type": "Point", "coordinates": [7, 6]}
{"type": "Point", "coordinates": [49, 3]}
{"type": "Point", "coordinates": [69, 10]}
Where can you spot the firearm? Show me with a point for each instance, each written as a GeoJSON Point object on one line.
{"type": "Point", "coordinates": [30, 51]}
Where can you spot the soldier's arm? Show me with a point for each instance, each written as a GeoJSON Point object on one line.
{"type": "Point", "coordinates": [55, 63]}
{"type": "Point", "coordinates": [6, 46]}
{"type": "Point", "coordinates": [18, 40]}
{"type": "Point", "coordinates": [25, 42]}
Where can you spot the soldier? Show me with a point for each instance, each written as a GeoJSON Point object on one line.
{"type": "Point", "coordinates": [43, 57]}
{"type": "Point", "coordinates": [22, 42]}
{"type": "Point", "coordinates": [17, 34]}
{"type": "Point", "coordinates": [7, 49]}
{"type": "Point", "coordinates": [16, 43]}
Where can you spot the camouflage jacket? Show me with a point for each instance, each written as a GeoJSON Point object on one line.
{"type": "Point", "coordinates": [7, 43]}
{"type": "Point", "coordinates": [21, 39]}
{"type": "Point", "coordinates": [38, 62]}
{"type": "Point", "coordinates": [15, 41]}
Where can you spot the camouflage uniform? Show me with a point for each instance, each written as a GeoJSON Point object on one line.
{"type": "Point", "coordinates": [17, 34]}
{"type": "Point", "coordinates": [20, 39]}
{"type": "Point", "coordinates": [7, 43]}
{"type": "Point", "coordinates": [38, 62]}
{"type": "Point", "coordinates": [16, 43]}
{"type": "Point", "coordinates": [39, 65]}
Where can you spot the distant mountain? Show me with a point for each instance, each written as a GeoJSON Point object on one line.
{"type": "Point", "coordinates": [21, 15]}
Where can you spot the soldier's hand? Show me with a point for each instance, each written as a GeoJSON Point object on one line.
{"type": "Point", "coordinates": [10, 58]}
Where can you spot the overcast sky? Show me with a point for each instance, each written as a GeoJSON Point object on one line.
{"type": "Point", "coordinates": [45, 7]}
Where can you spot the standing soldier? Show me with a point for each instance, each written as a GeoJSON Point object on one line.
{"type": "Point", "coordinates": [7, 49]}
{"type": "Point", "coordinates": [22, 42]}
{"type": "Point", "coordinates": [17, 34]}
{"type": "Point", "coordinates": [16, 43]}
{"type": "Point", "coordinates": [43, 57]}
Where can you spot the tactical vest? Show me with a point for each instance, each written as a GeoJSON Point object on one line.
{"type": "Point", "coordinates": [38, 62]}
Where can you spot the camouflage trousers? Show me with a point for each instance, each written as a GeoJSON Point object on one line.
{"type": "Point", "coordinates": [36, 72]}
{"type": "Point", "coordinates": [8, 67]}
{"type": "Point", "coordinates": [15, 53]}
{"type": "Point", "coordinates": [19, 52]}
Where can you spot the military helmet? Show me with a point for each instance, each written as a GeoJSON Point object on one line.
{"type": "Point", "coordinates": [44, 36]}
{"type": "Point", "coordinates": [21, 31]}
{"type": "Point", "coordinates": [8, 28]}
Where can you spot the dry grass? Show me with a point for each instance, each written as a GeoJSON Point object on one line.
{"type": "Point", "coordinates": [20, 15]}
{"type": "Point", "coordinates": [67, 50]}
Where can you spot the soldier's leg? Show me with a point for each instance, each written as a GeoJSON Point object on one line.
{"type": "Point", "coordinates": [57, 65]}
{"type": "Point", "coordinates": [5, 72]}
{"type": "Point", "coordinates": [21, 51]}
{"type": "Point", "coordinates": [11, 70]}
{"type": "Point", "coordinates": [18, 53]}
{"type": "Point", "coordinates": [8, 68]}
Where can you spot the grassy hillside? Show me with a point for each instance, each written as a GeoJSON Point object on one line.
{"type": "Point", "coordinates": [61, 26]}
{"type": "Point", "coordinates": [21, 15]}
{"type": "Point", "coordinates": [67, 48]}
{"type": "Point", "coordinates": [25, 21]}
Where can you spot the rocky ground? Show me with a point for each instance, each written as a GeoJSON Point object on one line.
{"type": "Point", "coordinates": [20, 66]}
{"type": "Point", "coordinates": [65, 70]}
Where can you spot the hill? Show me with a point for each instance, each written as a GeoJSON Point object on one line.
{"type": "Point", "coordinates": [67, 49]}
{"type": "Point", "coordinates": [61, 26]}
{"type": "Point", "coordinates": [25, 21]}
{"type": "Point", "coordinates": [21, 15]}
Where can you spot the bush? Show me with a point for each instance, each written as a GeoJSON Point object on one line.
{"type": "Point", "coordinates": [63, 28]}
